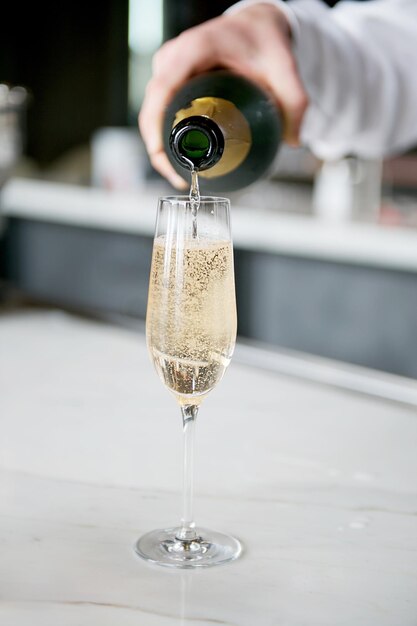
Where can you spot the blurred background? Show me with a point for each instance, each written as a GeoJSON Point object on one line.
{"type": "Point", "coordinates": [326, 253]}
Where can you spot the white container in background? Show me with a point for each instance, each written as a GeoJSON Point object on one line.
{"type": "Point", "coordinates": [118, 159]}
{"type": "Point", "coordinates": [348, 189]}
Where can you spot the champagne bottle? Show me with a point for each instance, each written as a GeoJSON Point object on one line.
{"type": "Point", "coordinates": [225, 127]}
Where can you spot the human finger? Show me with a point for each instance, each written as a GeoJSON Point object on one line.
{"type": "Point", "coordinates": [162, 165]}
{"type": "Point", "coordinates": [288, 90]}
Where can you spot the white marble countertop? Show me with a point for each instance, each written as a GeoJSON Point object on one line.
{"type": "Point", "coordinates": [318, 483]}
{"type": "Point", "coordinates": [260, 229]}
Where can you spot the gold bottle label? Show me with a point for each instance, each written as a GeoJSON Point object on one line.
{"type": "Point", "coordinates": [234, 126]}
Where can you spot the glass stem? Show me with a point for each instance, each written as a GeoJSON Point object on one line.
{"type": "Point", "coordinates": [187, 531]}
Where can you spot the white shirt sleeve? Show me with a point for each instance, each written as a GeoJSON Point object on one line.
{"type": "Point", "coordinates": [358, 64]}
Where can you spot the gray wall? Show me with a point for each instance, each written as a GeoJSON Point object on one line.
{"type": "Point", "coordinates": [81, 268]}
{"type": "Point", "coordinates": [362, 315]}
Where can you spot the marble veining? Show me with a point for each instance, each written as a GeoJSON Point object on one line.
{"type": "Point", "coordinates": [319, 485]}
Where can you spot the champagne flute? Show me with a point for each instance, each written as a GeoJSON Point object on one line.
{"type": "Point", "coordinates": [191, 333]}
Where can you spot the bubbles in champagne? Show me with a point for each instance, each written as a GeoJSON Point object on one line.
{"type": "Point", "coordinates": [191, 317]}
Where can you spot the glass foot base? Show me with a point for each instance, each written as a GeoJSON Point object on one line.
{"type": "Point", "coordinates": [209, 548]}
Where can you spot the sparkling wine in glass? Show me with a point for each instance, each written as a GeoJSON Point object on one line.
{"type": "Point", "coordinates": [191, 333]}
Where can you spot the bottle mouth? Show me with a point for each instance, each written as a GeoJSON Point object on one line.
{"type": "Point", "coordinates": [197, 142]}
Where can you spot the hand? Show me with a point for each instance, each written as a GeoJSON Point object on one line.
{"type": "Point", "coordinates": [255, 42]}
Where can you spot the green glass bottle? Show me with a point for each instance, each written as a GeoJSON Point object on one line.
{"type": "Point", "coordinates": [224, 126]}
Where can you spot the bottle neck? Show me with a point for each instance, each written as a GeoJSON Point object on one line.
{"type": "Point", "coordinates": [197, 142]}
